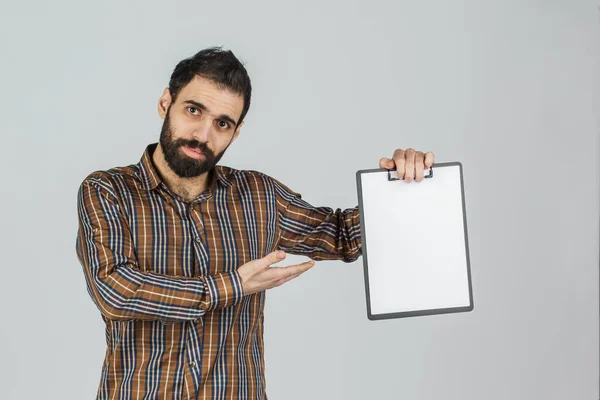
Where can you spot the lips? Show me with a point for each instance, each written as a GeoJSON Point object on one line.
{"type": "Point", "coordinates": [193, 152]}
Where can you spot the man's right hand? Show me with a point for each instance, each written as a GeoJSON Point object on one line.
{"type": "Point", "coordinates": [258, 275]}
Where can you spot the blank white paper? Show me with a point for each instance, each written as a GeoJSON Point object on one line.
{"type": "Point", "coordinates": [415, 239]}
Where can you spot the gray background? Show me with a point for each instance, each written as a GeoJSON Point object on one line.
{"type": "Point", "coordinates": [509, 88]}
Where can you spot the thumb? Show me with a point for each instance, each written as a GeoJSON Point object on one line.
{"type": "Point", "coordinates": [274, 257]}
{"type": "Point", "coordinates": [386, 163]}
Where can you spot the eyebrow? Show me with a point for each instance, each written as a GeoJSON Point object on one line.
{"type": "Point", "coordinates": [201, 106]}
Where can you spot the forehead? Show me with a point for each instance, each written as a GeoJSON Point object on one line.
{"type": "Point", "coordinates": [218, 100]}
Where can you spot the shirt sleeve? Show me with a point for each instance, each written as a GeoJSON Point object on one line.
{"type": "Point", "coordinates": [321, 233]}
{"type": "Point", "coordinates": [115, 282]}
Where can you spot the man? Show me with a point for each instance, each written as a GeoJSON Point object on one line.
{"type": "Point", "coordinates": [177, 251]}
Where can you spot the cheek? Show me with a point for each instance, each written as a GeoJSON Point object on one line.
{"type": "Point", "coordinates": [181, 128]}
{"type": "Point", "coordinates": [218, 145]}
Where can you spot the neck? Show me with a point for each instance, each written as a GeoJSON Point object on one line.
{"type": "Point", "coordinates": [188, 188]}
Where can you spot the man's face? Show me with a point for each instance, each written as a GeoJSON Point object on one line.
{"type": "Point", "coordinates": [199, 126]}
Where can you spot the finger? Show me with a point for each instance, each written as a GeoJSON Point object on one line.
{"type": "Point", "coordinates": [277, 273]}
{"type": "Point", "coordinates": [286, 279]}
{"type": "Point", "coordinates": [419, 165]}
{"type": "Point", "coordinates": [409, 167]}
{"type": "Point", "coordinates": [386, 163]}
{"type": "Point", "coordinates": [398, 158]}
{"type": "Point", "coordinates": [274, 257]}
{"type": "Point", "coordinates": [296, 269]}
{"type": "Point", "coordinates": [429, 159]}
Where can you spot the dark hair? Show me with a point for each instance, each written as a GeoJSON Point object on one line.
{"type": "Point", "coordinates": [218, 65]}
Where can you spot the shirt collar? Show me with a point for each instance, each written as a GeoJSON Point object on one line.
{"type": "Point", "coordinates": [150, 179]}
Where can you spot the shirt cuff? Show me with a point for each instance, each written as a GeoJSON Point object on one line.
{"type": "Point", "coordinates": [225, 289]}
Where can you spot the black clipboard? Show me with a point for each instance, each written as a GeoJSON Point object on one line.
{"type": "Point", "coordinates": [388, 288]}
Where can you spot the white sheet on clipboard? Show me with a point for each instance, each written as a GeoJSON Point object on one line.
{"type": "Point", "coordinates": [414, 234]}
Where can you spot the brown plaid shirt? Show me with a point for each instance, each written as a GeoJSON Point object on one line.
{"type": "Point", "coordinates": [163, 274]}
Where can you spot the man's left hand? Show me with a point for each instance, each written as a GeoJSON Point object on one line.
{"type": "Point", "coordinates": [409, 164]}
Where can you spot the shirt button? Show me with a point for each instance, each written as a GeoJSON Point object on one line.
{"type": "Point", "coordinates": [96, 230]}
{"type": "Point", "coordinates": [198, 239]}
{"type": "Point", "coordinates": [193, 364]}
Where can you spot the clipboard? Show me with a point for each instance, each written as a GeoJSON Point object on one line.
{"type": "Point", "coordinates": [415, 246]}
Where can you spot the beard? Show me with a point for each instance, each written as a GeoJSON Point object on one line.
{"type": "Point", "coordinates": [182, 164]}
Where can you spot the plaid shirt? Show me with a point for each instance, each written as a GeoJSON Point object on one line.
{"type": "Point", "coordinates": [163, 274]}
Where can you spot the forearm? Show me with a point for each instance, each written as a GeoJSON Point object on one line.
{"type": "Point", "coordinates": [128, 293]}
{"type": "Point", "coordinates": [120, 288]}
{"type": "Point", "coordinates": [322, 233]}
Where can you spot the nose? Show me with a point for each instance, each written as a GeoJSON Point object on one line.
{"type": "Point", "coordinates": [202, 131]}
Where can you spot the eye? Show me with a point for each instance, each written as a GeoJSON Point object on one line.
{"type": "Point", "coordinates": [223, 124]}
{"type": "Point", "coordinates": [192, 110]}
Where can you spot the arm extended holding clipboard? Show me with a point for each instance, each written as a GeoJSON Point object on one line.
{"type": "Point", "coordinates": [322, 233]}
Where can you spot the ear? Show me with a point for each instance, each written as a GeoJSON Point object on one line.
{"type": "Point", "coordinates": [164, 102]}
{"type": "Point", "coordinates": [237, 131]}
